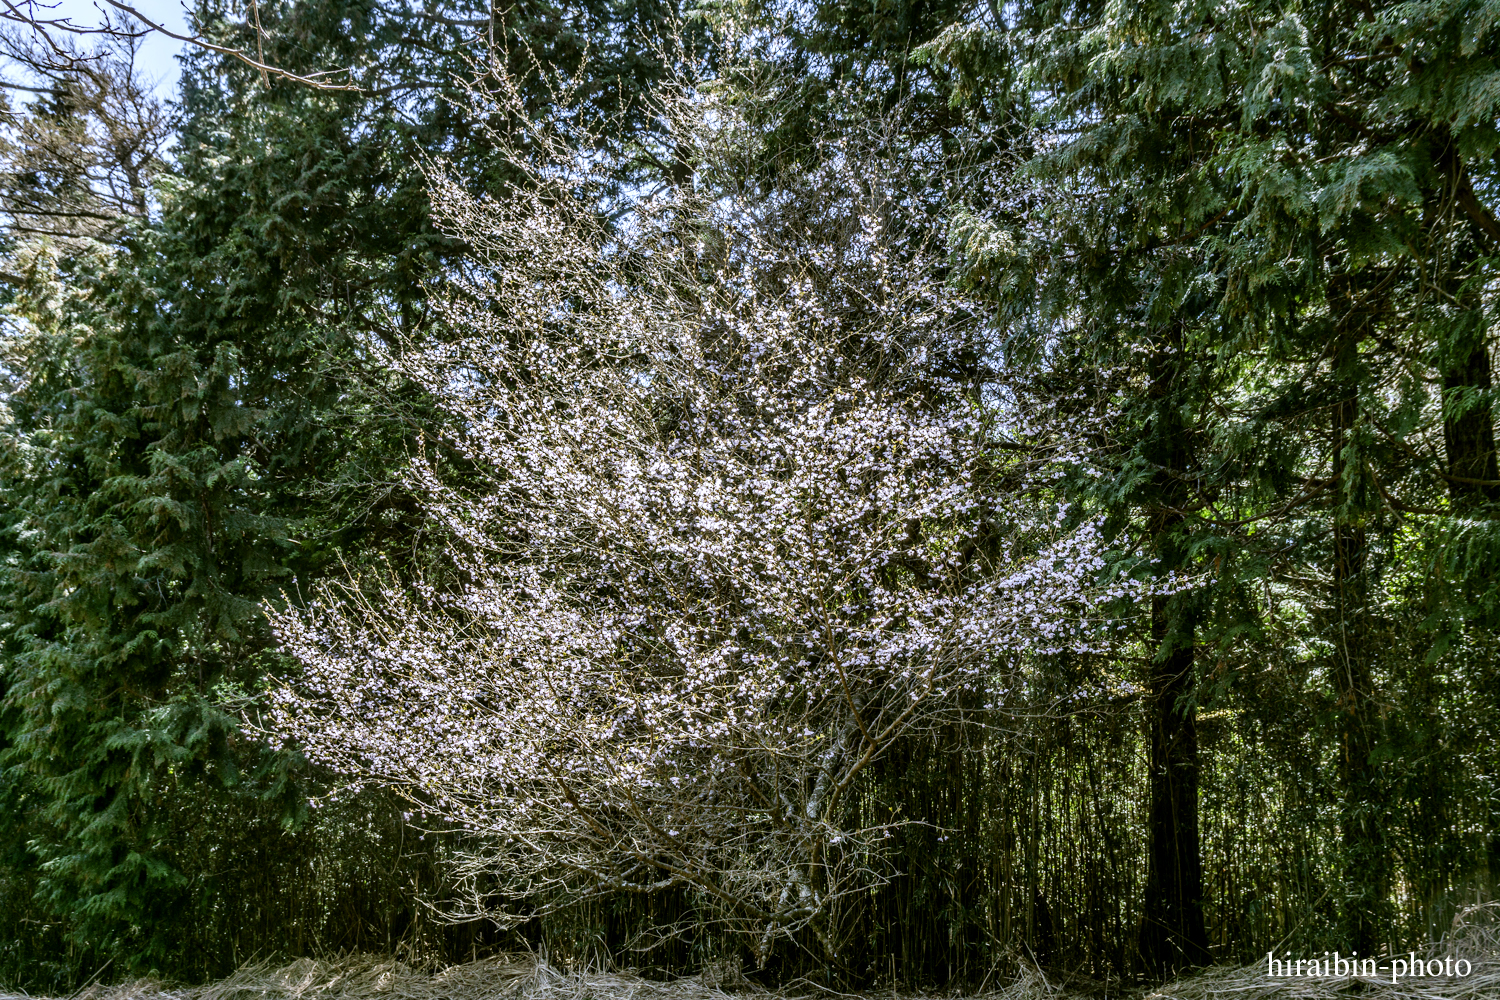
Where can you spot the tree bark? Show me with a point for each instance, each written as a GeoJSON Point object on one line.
{"type": "Point", "coordinates": [1366, 861]}
{"type": "Point", "coordinates": [1469, 436]}
{"type": "Point", "coordinates": [1172, 934]}
{"type": "Point", "coordinates": [1469, 433]}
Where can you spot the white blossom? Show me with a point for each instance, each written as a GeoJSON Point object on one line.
{"type": "Point", "coordinates": [735, 527]}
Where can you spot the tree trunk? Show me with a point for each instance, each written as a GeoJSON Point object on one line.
{"type": "Point", "coordinates": [1366, 866]}
{"type": "Point", "coordinates": [1172, 932]}
{"type": "Point", "coordinates": [1469, 436]}
{"type": "Point", "coordinates": [1172, 935]}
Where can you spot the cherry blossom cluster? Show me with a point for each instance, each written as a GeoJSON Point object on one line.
{"type": "Point", "coordinates": [734, 526]}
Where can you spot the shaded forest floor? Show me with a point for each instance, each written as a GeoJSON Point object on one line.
{"type": "Point", "coordinates": [523, 977]}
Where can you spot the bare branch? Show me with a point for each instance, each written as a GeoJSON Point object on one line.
{"type": "Point", "coordinates": [48, 30]}
{"type": "Point", "coordinates": [715, 558]}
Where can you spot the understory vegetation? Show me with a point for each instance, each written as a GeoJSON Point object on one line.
{"type": "Point", "coordinates": [913, 496]}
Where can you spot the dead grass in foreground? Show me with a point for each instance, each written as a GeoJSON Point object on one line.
{"type": "Point", "coordinates": [1475, 936]}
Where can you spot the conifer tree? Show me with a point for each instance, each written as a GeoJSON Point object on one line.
{"type": "Point", "coordinates": [185, 436]}
{"type": "Point", "coordinates": [1287, 208]}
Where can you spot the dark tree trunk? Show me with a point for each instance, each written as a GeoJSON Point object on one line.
{"type": "Point", "coordinates": [1469, 436]}
{"type": "Point", "coordinates": [1366, 861]}
{"type": "Point", "coordinates": [1172, 935]}
{"type": "Point", "coordinates": [1468, 430]}
{"type": "Point", "coordinates": [1172, 930]}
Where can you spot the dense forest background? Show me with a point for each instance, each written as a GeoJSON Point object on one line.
{"type": "Point", "coordinates": [1229, 272]}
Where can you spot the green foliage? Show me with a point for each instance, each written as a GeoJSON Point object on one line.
{"type": "Point", "coordinates": [188, 433]}
{"type": "Point", "coordinates": [1265, 230]}
{"type": "Point", "coordinates": [1261, 237]}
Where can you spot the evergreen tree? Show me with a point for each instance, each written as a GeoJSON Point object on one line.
{"type": "Point", "coordinates": [1283, 211]}
{"type": "Point", "coordinates": [187, 435]}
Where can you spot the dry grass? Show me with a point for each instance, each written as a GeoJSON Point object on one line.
{"type": "Point", "coordinates": [1475, 936]}
{"type": "Point", "coordinates": [366, 977]}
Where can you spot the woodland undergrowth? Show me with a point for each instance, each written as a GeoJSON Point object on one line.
{"type": "Point", "coordinates": [1475, 936]}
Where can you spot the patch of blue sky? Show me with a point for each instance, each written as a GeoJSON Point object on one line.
{"type": "Point", "coordinates": [156, 59]}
